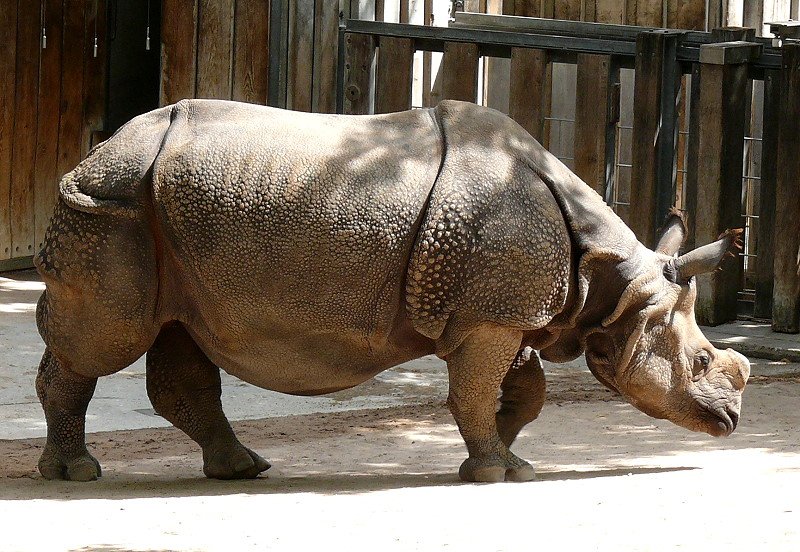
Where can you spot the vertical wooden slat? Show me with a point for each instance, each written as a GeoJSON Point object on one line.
{"type": "Point", "coordinates": [71, 111]}
{"type": "Point", "coordinates": [595, 120]}
{"type": "Point", "coordinates": [719, 193]}
{"type": "Point", "coordinates": [359, 53]}
{"type": "Point", "coordinates": [460, 71]}
{"type": "Point", "coordinates": [23, 158]}
{"type": "Point", "coordinates": [527, 90]}
{"type": "Point", "coordinates": [394, 75]}
{"type": "Point", "coordinates": [178, 50]}
{"type": "Point", "coordinates": [657, 83]}
{"type": "Point", "coordinates": [786, 291]}
{"type": "Point", "coordinates": [326, 28]}
{"type": "Point", "coordinates": [251, 51]}
{"type": "Point", "coordinates": [404, 11]}
{"type": "Point", "coordinates": [47, 133]}
{"type": "Point", "coordinates": [649, 13]}
{"type": "Point", "coordinates": [278, 51]}
{"type": "Point", "coordinates": [215, 49]}
{"type": "Point", "coordinates": [301, 55]}
{"type": "Point", "coordinates": [630, 12]}
{"type": "Point", "coordinates": [427, 60]}
{"type": "Point", "coordinates": [8, 56]}
{"type": "Point", "coordinates": [765, 260]}
{"type": "Point", "coordinates": [690, 193]}
{"type": "Point", "coordinates": [94, 73]}
{"type": "Point", "coordinates": [568, 9]}
{"type": "Point", "coordinates": [380, 14]}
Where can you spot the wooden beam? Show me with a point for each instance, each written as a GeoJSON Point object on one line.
{"type": "Point", "coordinates": [786, 291]}
{"type": "Point", "coordinates": [656, 91]}
{"type": "Point", "coordinates": [394, 74]}
{"type": "Point", "coordinates": [23, 159]}
{"type": "Point", "coordinates": [723, 99]}
{"type": "Point", "coordinates": [49, 101]}
{"type": "Point", "coordinates": [215, 49]}
{"type": "Point", "coordinates": [596, 109]}
{"type": "Point", "coordinates": [178, 50]}
{"type": "Point", "coordinates": [460, 71]}
{"type": "Point", "coordinates": [359, 53]}
{"type": "Point", "coordinates": [8, 68]}
{"type": "Point", "coordinates": [529, 90]}
{"type": "Point", "coordinates": [251, 52]}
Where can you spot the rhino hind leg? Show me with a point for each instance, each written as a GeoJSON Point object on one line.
{"type": "Point", "coordinates": [476, 370]}
{"type": "Point", "coordinates": [65, 396]}
{"type": "Point", "coordinates": [523, 393]}
{"type": "Point", "coordinates": [185, 388]}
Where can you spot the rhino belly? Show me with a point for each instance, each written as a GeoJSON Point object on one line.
{"type": "Point", "coordinates": [290, 235]}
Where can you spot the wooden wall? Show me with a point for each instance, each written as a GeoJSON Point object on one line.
{"type": "Point", "coordinates": [51, 104]}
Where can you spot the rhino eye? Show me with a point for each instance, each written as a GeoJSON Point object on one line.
{"type": "Point", "coordinates": [702, 361]}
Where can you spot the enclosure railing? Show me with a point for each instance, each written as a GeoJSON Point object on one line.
{"type": "Point", "coordinates": [374, 74]}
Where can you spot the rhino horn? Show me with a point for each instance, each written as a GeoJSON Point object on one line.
{"type": "Point", "coordinates": [673, 233]}
{"type": "Point", "coordinates": [704, 259]}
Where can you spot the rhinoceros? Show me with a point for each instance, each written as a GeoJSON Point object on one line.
{"type": "Point", "coordinates": [306, 253]}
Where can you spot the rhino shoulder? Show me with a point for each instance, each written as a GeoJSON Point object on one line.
{"type": "Point", "coordinates": [493, 245]}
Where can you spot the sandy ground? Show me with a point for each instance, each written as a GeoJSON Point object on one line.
{"type": "Point", "coordinates": [609, 478]}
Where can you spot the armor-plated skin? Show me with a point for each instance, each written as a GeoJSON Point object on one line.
{"type": "Point", "coordinates": [307, 253]}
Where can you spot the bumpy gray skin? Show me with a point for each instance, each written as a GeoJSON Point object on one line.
{"type": "Point", "coordinates": [307, 253]}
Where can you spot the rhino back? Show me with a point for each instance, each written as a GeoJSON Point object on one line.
{"type": "Point", "coordinates": [283, 222]}
{"type": "Point", "coordinates": [494, 245]}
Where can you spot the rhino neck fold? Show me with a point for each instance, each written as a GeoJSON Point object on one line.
{"type": "Point", "coordinates": [607, 257]}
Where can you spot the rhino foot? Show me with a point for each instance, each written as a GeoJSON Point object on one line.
{"type": "Point", "coordinates": [81, 468]}
{"type": "Point", "coordinates": [241, 463]}
{"type": "Point", "coordinates": [494, 469]}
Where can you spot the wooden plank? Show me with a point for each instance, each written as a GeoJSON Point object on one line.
{"type": "Point", "coordinates": [394, 75]}
{"type": "Point", "coordinates": [8, 64]}
{"type": "Point", "coordinates": [326, 51]}
{"type": "Point", "coordinates": [215, 49]}
{"type": "Point", "coordinates": [786, 291]}
{"type": "Point", "coordinates": [595, 120]}
{"type": "Point", "coordinates": [405, 14]}
{"type": "Point", "coordinates": [94, 73]}
{"type": "Point", "coordinates": [8, 67]}
{"type": "Point", "coordinates": [427, 59]}
{"type": "Point", "coordinates": [765, 260]}
{"type": "Point", "coordinates": [567, 10]}
{"type": "Point", "coordinates": [630, 12]}
{"type": "Point", "coordinates": [691, 183]}
{"type": "Point", "coordinates": [71, 109]}
{"type": "Point", "coordinates": [692, 14]}
{"type": "Point", "coordinates": [359, 53]}
{"type": "Point", "coordinates": [526, 8]}
{"type": "Point", "coordinates": [528, 83]}
{"type": "Point", "coordinates": [380, 14]}
{"type": "Point", "coordinates": [649, 13]}
{"type": "Point", "coordinates": [251, 52]}
{"type": "Point", "coordinates": [178, 50]}
{"type": "Point", "coordinates": [723, 96]}
{"type": "Point", "coordinates": [460, 71]}
{"type": "Point", "coordinates": [301, 55]}
{"type": "Point", "coordinates": [47, 132]}
{"type": "Point", "coordinates": [23, 155]}
{"type": "Point", "coordinates": [653, 144]}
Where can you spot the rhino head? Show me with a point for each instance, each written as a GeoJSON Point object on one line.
{"type": "Point", "coordinates": [651, 350]}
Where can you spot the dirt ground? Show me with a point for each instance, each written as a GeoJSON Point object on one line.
{"type": "Point", "coordinates": [609, 478]}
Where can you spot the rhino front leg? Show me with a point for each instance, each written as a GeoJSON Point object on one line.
{"type": "Point", "coordinates": [522, 398]}
{"type": "Point", "coordinates": [185, 388]}
{"type": "Point", "coordinates": [476, 370]}
{"type": "Point", "coordinates": [65, 396]}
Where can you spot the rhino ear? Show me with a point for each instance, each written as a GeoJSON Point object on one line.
{"type": "Point", "coordinates": [673, 233]}
{"type": "Point", "coordinates": [704, 259]}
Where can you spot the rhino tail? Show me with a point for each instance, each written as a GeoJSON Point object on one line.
{"type": "Point", "coordinates": [114, 177]}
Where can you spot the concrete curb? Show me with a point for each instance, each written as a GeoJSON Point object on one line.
{"type": "Point", "coordinates": [759, 351]}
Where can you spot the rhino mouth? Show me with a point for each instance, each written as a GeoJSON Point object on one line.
{"type": "Point", "coordinates": [720, 422]}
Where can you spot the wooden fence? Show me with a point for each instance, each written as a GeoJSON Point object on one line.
{"type": "Point", "coordinates": [720, 64]}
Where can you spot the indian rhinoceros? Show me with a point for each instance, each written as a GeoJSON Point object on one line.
{"type": "Point", "coordinates": [307, 253]}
